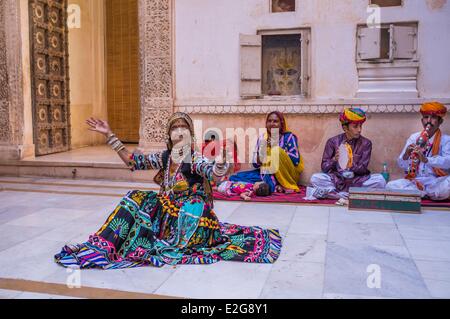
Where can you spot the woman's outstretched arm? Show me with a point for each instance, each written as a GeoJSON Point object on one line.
{"type": "Point", "coordinates": [135, 160]}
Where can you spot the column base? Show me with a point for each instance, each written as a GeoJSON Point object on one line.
{"type": "Point", "coordinates": [16, 152]}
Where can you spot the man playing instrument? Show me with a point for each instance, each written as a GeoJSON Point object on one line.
{"type": "Point", "coordinates": [426, 157]}
{"type": "Point", "coordinates": [337, 177]}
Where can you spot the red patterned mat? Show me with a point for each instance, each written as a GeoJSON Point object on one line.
{"type": "Point", "coordinates": [298, 199]}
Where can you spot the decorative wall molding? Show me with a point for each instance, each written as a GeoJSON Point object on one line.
{"type": "Point", "coordinates": [397, 80]}
{"type": "Point", "coordinates": [295, 108]}
{"type": "Point", "coordinates": [5, 130]}
{"type": "Point", "coordinates": [11, 84]}
{"type": "Point", "coordinates": [156, 70]}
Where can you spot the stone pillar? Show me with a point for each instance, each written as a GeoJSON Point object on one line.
{"type": "Point", "coordinates": [12, 145]}
{"type": "Point", "coordinates": [156, 71]}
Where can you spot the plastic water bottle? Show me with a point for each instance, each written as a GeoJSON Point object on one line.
{"type": "Point", "coordinates": [385, 172]}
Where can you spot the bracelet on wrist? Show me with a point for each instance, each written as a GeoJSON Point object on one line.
{"type": "Point", "coordinates": [115, 143]}
{"type": "Point", "coordinates": [109, 137]}
{"type": "Point", "coordinates": [112, 141]}
{"type": "Point", "coordinates": [220, 169]}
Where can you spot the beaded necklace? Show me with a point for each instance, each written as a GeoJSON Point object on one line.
{"type": "Point", "coordinates": [170, 181]}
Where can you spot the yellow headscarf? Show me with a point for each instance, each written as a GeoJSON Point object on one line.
{"type": "Point", "coordinates": [433, 108]}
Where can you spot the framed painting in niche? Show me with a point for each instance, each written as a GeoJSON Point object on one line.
{"type": "Point", "coordinates": [281, 72]}
{"type": "Point", "coordinates": [283, 5]}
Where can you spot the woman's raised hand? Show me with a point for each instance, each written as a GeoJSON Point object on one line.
{"type": "Point", "coordinates": [99, 126]}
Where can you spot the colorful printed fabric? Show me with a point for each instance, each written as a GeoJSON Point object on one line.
{"type": "Point", "coordinates": [433, 108]}
{"type": "Point", "coordinates": [149, 229]}
{"type": "Point", "coordinates": [153, 229]}
{"type": "Point", "coordinates": [288, 142]}
{"type": "Point", "coordinates": [146, 162]}
{"type": "Point", "coordinates": [352, 115]}
{"type": "Point", "coordinates": [286, 174]}
{"type": "Point", "coordinates": [234, 188]}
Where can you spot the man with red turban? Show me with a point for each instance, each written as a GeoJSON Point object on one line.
{"type": "Point", "coordinates": [335, 181]}
{"type": "Point", "coordinates": [431, 176]}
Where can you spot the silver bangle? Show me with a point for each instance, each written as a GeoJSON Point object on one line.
{"type": "Point", "coordinates": [112, 141]}
{"type": "Point", "coordinates": [117, 145]}
{"type": "Point", "coordinates": [121, 147]}
{"type": "Point", "coordinates": [220, 169]}
{"type": "Point", "coordinates": [114, 146]}
{"type": "Point", "coordinates": [109, 137]}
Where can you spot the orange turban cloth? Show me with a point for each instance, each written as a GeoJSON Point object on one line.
{"type": "Point", "coordinates": [433, 108]}
{"type": "Point", "coordinates": [352, 115]}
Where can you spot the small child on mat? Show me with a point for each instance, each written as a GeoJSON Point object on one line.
{"type": "Point", "coordinates": [245, 190]}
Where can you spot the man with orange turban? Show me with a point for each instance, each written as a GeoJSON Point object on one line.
{"type": "Point", "coordinates": [334, 181]}
{"type": "Point", "coordinates": [431, 176]}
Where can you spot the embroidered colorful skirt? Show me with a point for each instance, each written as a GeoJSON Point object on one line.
{"type": "Point", "coordinates": [150, 229]}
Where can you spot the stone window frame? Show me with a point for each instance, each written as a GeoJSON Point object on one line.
{"type": "Point", "coordinates": [393, 26]}
{"type": "Point", "coordinates": [393, 77]}
{"type": "Point", "coordinates": [251, 64]}
{"type": "Point", "coordinates": [402, 3]}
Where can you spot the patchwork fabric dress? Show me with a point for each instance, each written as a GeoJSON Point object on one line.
{"type": "Point", "coordinates": [175, 226]}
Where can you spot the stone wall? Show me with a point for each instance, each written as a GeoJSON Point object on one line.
{"type": "Point", "coordinates": [207, 64]}
{"type": "Point", "coordinates": [388, 133]}
{"type": "Point", "coordinates": [5, 129]}
{"type": "Point", "coordinates": [11, 84]}
{"type": "Point", "coordinates": [207, 55]}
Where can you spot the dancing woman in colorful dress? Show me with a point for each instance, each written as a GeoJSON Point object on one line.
{"type": "Point", "coordinates": [175, 226]}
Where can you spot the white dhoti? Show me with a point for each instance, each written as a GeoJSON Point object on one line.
{"type": "Point", "coordinates": [436, 188]}
{"type": "Point", "coordinates": [324, 182]}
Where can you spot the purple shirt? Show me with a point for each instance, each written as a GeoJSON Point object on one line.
{"type": "Point", "coordinates": [361, 148]}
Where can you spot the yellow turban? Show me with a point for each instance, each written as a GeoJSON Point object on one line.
{"type": "Point", "coordinates": [433, 108]}
{"type": "Point", "coordinates": [352, 115]}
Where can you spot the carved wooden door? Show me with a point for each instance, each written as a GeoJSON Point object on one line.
{"type": "Point", "coordinates": [49, 75]}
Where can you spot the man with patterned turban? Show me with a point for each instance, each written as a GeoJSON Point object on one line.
{"type": "Point", "coordinates": [335, 181]}
{"type": "Point", "coordinates": [431, 151]}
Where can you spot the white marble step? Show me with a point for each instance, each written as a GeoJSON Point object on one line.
{"type": "Point", "coordinates": [88, 187]}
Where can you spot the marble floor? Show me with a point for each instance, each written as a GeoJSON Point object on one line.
{"type": "Point", "coordinates": [328, 252]}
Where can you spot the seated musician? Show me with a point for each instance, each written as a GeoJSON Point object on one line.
{"type": "Point", "coordinates": [277, 160]}
{"type": "Point", "coordinates": [334, 181]}
{"type": "Point", "coordinates": [426, 157]}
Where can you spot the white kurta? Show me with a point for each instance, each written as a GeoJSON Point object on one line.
{"type": "Point", "coordinates": [436, 188]}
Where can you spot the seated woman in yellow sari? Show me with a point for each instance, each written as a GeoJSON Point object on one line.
{"type": "Point", "coordinates": [277, 160]}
